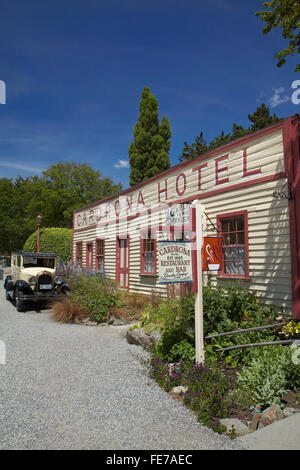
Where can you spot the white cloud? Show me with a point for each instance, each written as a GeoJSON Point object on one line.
{"type": "Point", "coordinates": [122, 164]}
{"type": "Point", "coordinates": [17, 166]}
{"type": "Point", "coordinates": [277, 99]}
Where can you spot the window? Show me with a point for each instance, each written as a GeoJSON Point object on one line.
{"type": "Point", "coordinates": [234, 230]}
{"type": "Point", "coordinates": [100, 256]}
{"type": "Point", "coordinates": [148, 254]}
{"type": "Point", "coordinates": [79, 253]}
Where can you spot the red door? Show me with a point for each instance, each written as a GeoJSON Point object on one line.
{"type": "Point", "coordinates": [122, 267]}
{"type": "Point", "coordinates": [89, 256]}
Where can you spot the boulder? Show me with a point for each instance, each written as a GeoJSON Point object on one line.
{"type": "Point", "coordinates": [236, 426]}
{"type": "Point", "coordinates": [139, 336]}
{"type": "Point", "coordinates": [271, 414]}
{"type": "Point", "coordinates": [115, 321]}
{"type": "Point", "coordinates": [288, 411]}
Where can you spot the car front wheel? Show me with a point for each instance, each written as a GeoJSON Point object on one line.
{"type": "Point", "coordinates": [19, 302]}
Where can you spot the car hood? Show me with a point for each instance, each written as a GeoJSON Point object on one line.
{"type": "Point", "coordinates": [35, 271]}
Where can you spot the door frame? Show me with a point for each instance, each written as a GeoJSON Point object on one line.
{"type": "Point", "coordinates": [87, 261]}
{"type": "Point", "coordinates": [120, 270]}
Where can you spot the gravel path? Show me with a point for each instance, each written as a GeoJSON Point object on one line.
{"type": "Point", "coordinates": [84, 387]}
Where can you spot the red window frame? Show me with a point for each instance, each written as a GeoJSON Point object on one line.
{"type": "Point", "coordinates": [148, 247]}
{"type": "Point", "coordinates": [234, 241]}
{"type": "Point", "coordinates": [100, 256]}
{"type": "Point", "coordinates": [79, 258]}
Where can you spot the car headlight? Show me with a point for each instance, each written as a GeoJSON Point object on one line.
{"type": "Point", "coordinates": [58, 280]}
{"type": "Point", "coordinates": [32, 280]}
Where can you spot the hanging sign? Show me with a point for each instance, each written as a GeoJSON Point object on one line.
{"type": "Point", "coordinates": [174, 262]}
{"type": "Point", "coordinates": [179, 214]}
{"type": "Point", "coordinates": [212, 254]}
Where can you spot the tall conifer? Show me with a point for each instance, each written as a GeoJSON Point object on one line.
{"type": "Point", "coordinates": [149, 151]}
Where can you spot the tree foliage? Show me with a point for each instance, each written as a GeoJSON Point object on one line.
{"type": "Point", "coordinates": [52, 240]}
{"type": "Point", "coordinates": [149, 152]}
{"type": "Point", "coordinates": [286, 15]}
{"type": "Point", "coordinates": [61, 189]}
{"type": "Point", "coordinates": [260, 118]}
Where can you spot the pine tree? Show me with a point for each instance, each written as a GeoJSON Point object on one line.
{"type": "Point", "coordinates": [149, 152]}
{"type": "Point", "coordinates": [262, 118]}
{"type": "Point", "coordinates": [198, 147]}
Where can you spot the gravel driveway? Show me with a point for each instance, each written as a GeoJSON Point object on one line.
{"type": "Point", "coordinates": [84, 387]}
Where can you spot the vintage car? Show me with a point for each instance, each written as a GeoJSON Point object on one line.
{"type": "Point", "coordinates": [33, 277]}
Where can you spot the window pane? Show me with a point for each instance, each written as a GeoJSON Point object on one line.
{"type": "Point", "coordinates": [227, 267]}
{"type": "Point", "coordinates": [232, 225]}
{"type": "Point", "coordinates": [233, 239]}
{"type": "Point", "coordinates": [234, 253]}
{"type": "Point", "coordinates": [240, 223]}
{"type": "Point", "coordinates": [226, 239]}
{"type": "Point", "coordinates": [224, 226]}
{"type": "Point", "coordinates": [227, 253]}
{"type": "Point", "coordinates": [234, 267]}
{"type": "Point", "coordinates": [241, 238]}
{"type": "Point", "coordinates": [241, 253]}
{"type": "Point", "coordinates": [242, 267]}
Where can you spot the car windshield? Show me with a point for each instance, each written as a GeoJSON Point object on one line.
{"type": "Point", "coordinates": [31, 262]}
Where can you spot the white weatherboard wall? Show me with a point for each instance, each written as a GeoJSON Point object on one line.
{"type": "Point", "coordinates": [268, 221]}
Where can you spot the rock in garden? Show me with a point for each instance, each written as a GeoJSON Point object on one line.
{"type": "Point", "coordinates": [181, 390]}
{"type": "Point", "coordinates": [115, 321]}
{"type": "Point", "coordinates": [138, 336]}
{"type": "Point", "coordinates": [155, 336]}
{"type": "Point", "coordinates": [236, 426]}
{"type": "Point", "coordinates": [271, 414]}
{"type": "Point", "coordinates": [288, 411]}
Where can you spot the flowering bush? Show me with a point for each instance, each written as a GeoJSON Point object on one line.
{"type": "Point", "coordinates": [207, 394]}
{"type": "Point", "coordinates": [93, 292]}
{"type": "Point", "coordinates": [207, 388]}
{"type": "Point", "coordinates": [291, 330]}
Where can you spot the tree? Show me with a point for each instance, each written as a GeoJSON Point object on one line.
{"type": "Point", "coordinates": [286, 15]}
{"type": "Point", "coordinates": [262, 118]}
{"type": "Point", "coordinates": [62, 188]}
{"type": "Point", "coordinates": [65, 187]}
{"type": "Point", "coordinates": [198, 147]}
{"type": "Point", "coordinates": [52, 240]}
{"type": "Point", "coordinates": [220, 140]}
{"type": "Point", "coordinates": [14, 225]}
{"type": "Point", "coordinates": [149, 152]}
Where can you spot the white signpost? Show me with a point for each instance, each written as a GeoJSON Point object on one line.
{"type": "Point", "coordinates": [175, 263]}
{"type": "Point", "coordinates": [199, 336]}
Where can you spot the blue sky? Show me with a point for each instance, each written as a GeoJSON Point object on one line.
{"type": "Point", "coordinates": [74, 72]}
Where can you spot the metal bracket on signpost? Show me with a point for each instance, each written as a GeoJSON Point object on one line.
{"type": "Point", "coordinates": [197, 228]}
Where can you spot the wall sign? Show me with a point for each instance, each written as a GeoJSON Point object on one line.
{"type": "Point", "coordinates": [178, 214]}
{"type": "Point", "coordinates": [174, 262]}
{"type": "Point", "coordinates": [212, 254]}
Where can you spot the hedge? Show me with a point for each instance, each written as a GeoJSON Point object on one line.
{"type": "Point", "coordinates": [52, 240]}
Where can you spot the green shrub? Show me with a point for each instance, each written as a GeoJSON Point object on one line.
{"type": "Point", "coordinates": [266, 376]}
{"type": "Point", "coordinates": [52, 240]}
{"type": "Point", "coordinates": [181, 351]}
{"type": "Point", "coordinates": [97, 294]}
